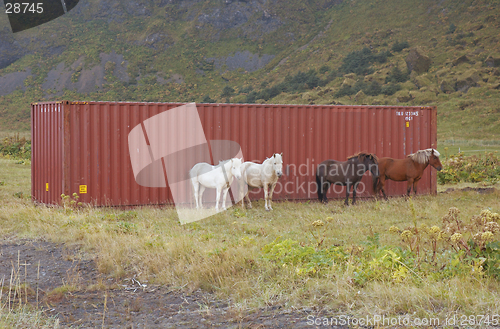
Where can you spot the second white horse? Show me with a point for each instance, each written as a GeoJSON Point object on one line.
{"type": "Point", "coordinates": [264, 176]}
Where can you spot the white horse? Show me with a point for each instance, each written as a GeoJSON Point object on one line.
{"type": "Point", "coordinates": [263, 175]}
{"type": "Point", "coordinates": [219, 177]}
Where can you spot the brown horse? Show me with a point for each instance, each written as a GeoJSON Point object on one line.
{"type": "Point", "coordinates": [347, 173]}
{"type": "Point", "coordinates": [408, 169]}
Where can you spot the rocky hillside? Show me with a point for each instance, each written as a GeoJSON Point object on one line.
{"type": "Point", "coordinates": [438, 52]}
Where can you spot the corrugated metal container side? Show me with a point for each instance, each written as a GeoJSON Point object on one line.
{"type": "Point", "coordinates": [82, 147]}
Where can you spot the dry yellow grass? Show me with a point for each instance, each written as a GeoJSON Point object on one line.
{"type": "Point", "coordinates": [222, 254]}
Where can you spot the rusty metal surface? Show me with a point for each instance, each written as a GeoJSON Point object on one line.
{"type": "Point", "coordinates": [47, 135]}
{"type": "Point", "coordinates": [82, 147]}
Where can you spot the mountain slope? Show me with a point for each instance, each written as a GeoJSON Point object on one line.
{"type": "Point", "coordinates": [349, 52]}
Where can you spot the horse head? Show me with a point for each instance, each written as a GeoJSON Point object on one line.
{"type": "Point", "coordinates": [277, 162]}
{"type": "Point", "coordinates": [434, 160]}
{"type": "Point", "coordinates": [236, 167]}
{"type": "Point", "coordinates": [371, 161]}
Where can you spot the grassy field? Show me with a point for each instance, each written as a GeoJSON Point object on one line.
{"type": "Point", "coordinates": [255, 258]}
{"type": "Point", "coordinates": [468, 147]}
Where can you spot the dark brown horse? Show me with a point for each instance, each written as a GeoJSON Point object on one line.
{"type": "Point", "coordinates": [347, 173]}
{"type": "Point", "coordinates": [408, 169]}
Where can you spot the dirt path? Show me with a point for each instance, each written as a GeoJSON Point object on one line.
{"type": "Point", "coordinates": [64, 282]}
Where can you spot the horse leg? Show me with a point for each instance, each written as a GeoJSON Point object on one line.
{"type": "Point", "coordinates": [266, 195]}
{"type": "Point", "coordinates": [347, 190]}
{"type": "Point", "coordinates": [408, 189]}
{"type": "Point", "coordinates": [415, 186]}
{"type": "Point", "coordinates": [382, 186]}
{"type": "Point", "coordinates": [242, 196]}
{"type": "Point", "coordinates": [325, 190]}
{"type": "Point", "coordinates": [248, 199]}
{"type": "Point", "coordinates": [271, 195]}
{"type": "Point", "coordinates": [224, 191]}
{"type": "Point", "coordinates": [196, 187]}
{"type": "Point", "coordinates": [200, 195]}
{"type": "Point", "coordinates": [354, 192]}
{"type": "Point", "coordinates": [217, 198]}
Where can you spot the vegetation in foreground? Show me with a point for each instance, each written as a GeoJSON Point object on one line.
{"type": "Point", "coordinates": [475, 168]}
{"type": "Point", "coordinates": [429, 256]}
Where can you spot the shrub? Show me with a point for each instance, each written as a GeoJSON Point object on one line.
{"type": "Point", "coordinates": [460, 168]}
{"type": "Point", "coordinates": [451, 29]}
{"type": "Point", "coordinates": [207, 99]}
{"type": "Point", "coordinates": [372, 89]}
{"type": "Point", "coordinates": [323, 69]}
{"type": "Point", "coordinates": [15, 147]}
{"type": "Point", "coordinates": [390, 89]}
{"type": "Point", "coordinates": [382, 57]}
{"type": "Point", "coordinates": [246, 90]}
{"type": "Point", "coordinates": [399, 46]}
{"type": "Point", "coordinates": [345, 90]}
{"type": "Point", "coordinates": [358, 62]}
{"type": "Point", "coordinates": [227, 92]}
{"type": "Point", "coordinates": [251, 97]}
{"type": "Point", "coordinates": [299, 82]}
{"type": "Point", "coordinates": [397, 75]}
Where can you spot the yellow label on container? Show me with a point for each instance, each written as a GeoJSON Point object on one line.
{"type": "Point", "coordinates": [46, 187]}
{"type": "Point", "coordinates": [407, 124]}
{"type": "Point", "coordinates": [83, 189]}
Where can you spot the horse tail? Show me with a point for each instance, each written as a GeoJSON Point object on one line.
{"type": "Point", "coordinates": [320, 187]}
{"type": "Point", "coordinates": [375, 184]}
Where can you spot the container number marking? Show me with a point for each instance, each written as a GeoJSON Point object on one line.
{"type": "Point", "coordinates": [407, 114]}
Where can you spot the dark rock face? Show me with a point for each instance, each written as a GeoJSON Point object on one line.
{"type": "Point", "coordinates": [12, 81]}
{"type": "Point", "coordinates": [89, 79]}
{"type": "Point", "coordinates": [137, 8]}
{"type": "Point", "coordinates": [461, 60]}
{"type": "Point", "coordinates": [447, 87]}
{"type": "Point", "coordinates": [467, 82]}
{"type": "Point", "coordinates": [492, 62]}
{"type": "Point", "coordinates": [417, 61]}
{"type": "Point", "coordinates": [10, 49]}
{"type": "Point", "coordinates": [235, 14]}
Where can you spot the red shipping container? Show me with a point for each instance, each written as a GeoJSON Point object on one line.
{"type": "Point", "coordinates": [84, 147]}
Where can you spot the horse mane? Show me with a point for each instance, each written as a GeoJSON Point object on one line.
{"type": "Point", "coordinates": [362, 156]}
{"type": "Point", "coordinates": [423, 156]}
{"type": "Point", "coordinates": [222, 162]}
